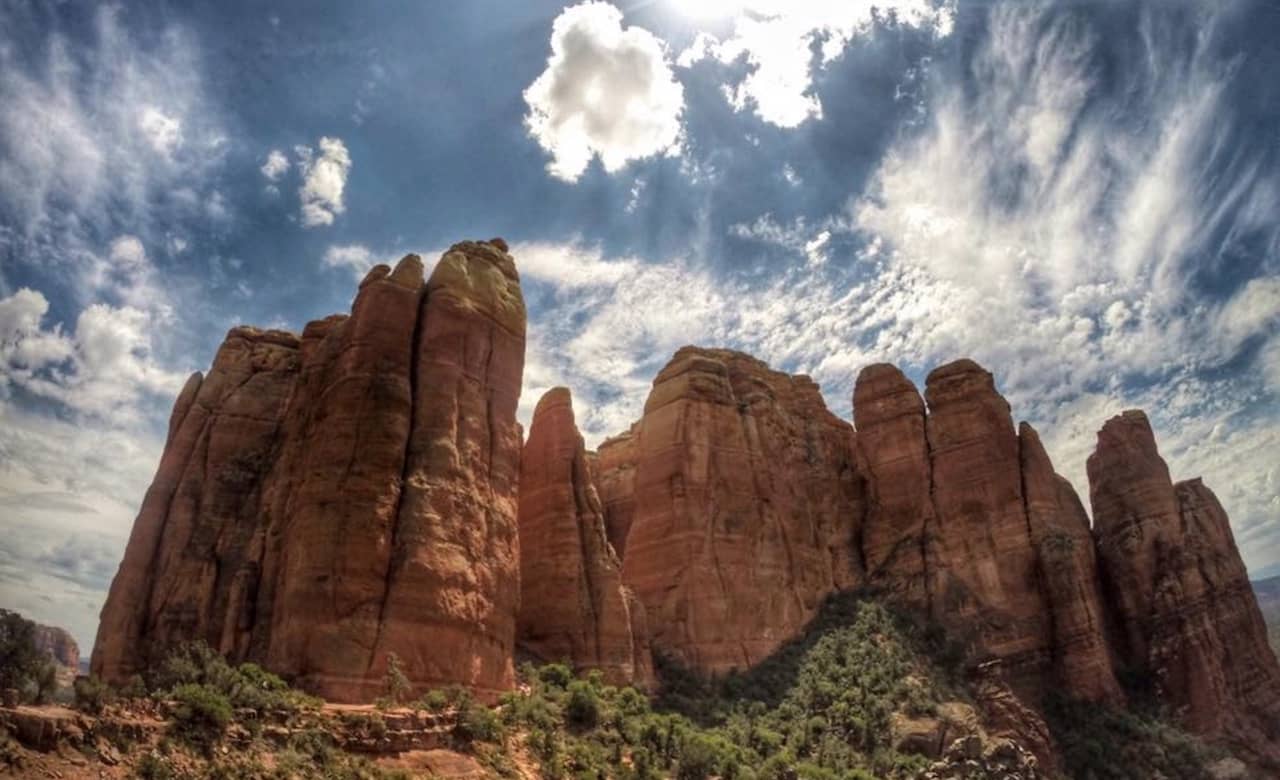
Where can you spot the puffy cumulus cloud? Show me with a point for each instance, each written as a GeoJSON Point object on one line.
{"type": "Point", "coordinates": [102, 369]}
{"type": "Point", "coordinates": [783, 43]}
{"type": "Point", "coordinates": [324, 178]}
{"type": "Point", "coordinates": [275, 166]}
{"type": "Point", "coordinates": [608, 92]}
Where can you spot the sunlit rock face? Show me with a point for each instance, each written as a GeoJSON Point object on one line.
{"type": "Point", "coordinates": [743, 507]}
{"type": "Point", "coordinates": [325, 501]}
{"type": "Point", "coordinates": [573, 606]}
{"type": "Point", "coordinates": [1188, 616]}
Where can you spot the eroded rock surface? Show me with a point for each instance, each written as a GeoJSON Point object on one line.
{"type": "Point", "coordinates": [745, 495]}
{"type": "Point", "coordinates": [573, 605]}
{"type": "Point", "coordinates": [1181, 593]}
{"type": "Point", "coordinates": [327, 500]}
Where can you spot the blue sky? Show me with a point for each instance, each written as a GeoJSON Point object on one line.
{"type": "Point", "coordinates": [1083, 196]}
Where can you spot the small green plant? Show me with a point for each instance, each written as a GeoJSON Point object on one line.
{"type": "Point", "coordinates": [201, 714]}
{"type": "Point", "coordinates": [478, 723]}
{"type": "Point", "coordinates": [395, 683]}
{"type": "Point", "coordinates": [434, 700]}
{"type": "Point", "coordinates": [92, 695]}
{"type": "Point", "coordinates": [153, 766]}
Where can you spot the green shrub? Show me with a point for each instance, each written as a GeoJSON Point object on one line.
{"type": "Point", "coordinates": [555, 675]}
{"type": "Point", "coordinates": [153, 766]}
{"type": "Point", "coordinates": [92, 695]}
{"type": "Point", "coordinates": [201, 714]}
{"type": "Point", "coordinates": [395, 683]}
{"type": "Point", "coordinates": [583, 707]}
{"type": "Point", "coordinates": [478, 723]}
{"type": "Point", "coordinates": [434, 700]}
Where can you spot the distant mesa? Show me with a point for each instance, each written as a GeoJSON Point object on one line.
{"type": "Point", "coordinates": [362, 489]}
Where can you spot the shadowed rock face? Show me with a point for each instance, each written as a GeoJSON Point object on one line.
{"type": "Point", "coordinates": [967, 520]}
{"type": "Point", "coordinates": [324, 501]}
{"type": "Point", "coordinates": [1180, 592]}
{"type": "Point", "coordinates": [745, 493]}
{"type": "Point", "coordinates": [573, 605]}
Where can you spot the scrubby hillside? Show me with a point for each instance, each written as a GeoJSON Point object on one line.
{"type": "Point", "coordinates": [864, 693]}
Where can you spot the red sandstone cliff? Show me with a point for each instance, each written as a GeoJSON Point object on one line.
{"type": "Point", "coordinates": [1181, 593]}
{"type": "Point", "coordinates": [324, 501]}
{"type": "Point", "coordinates": [744, 496]}
{"type": "Point", "coordinates": [573, 605]}
{"type": "Point", "coordinates": [967, 520]}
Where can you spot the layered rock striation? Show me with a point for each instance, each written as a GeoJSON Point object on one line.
{"type": "Point", "coordinates": [327, 500]}
{"type": "Point", "coordinates": [967, 521]}
{"type": "Point", "coordinates": [573, 605]}
{"type": "Point", "coordinates": [743, 492]}
{"type": "Point", "coordinates": [1187, 614]}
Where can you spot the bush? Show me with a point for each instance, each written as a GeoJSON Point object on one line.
{"type": "Point", "coordinates": [477, 723]}
{"type": "Point", "coordinates": [395, 683]}
{"type": "Point", "coordinates": [434, 700]}
{"type": "Point", "coordinates": [556, 675]}
{"type": "Point", "coordinates": [154, 766]}
{"type": "Point", "coordinates": [201, 714]}
{"type": "Point", "coordinates": [583, 707]}
{"type": "Point", "coordinates": [92, 695]}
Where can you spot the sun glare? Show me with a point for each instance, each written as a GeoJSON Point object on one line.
{"type": "Point", "coordinates": [708, 10]}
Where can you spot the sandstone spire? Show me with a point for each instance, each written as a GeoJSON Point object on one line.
{"type": "Point", "coordinates": [324, 501]}
{"type": "Point", "coordinates": [573, 605]}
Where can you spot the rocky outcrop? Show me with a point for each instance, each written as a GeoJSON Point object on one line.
{"type": "Point", "coordinates": [985, 574]}
{"type": "Point", "coordinates": [898, 534]}
{"type": "Point", "coordinates": [58, 644]}
{"type": "Point", "coordinates": [615, 470]}
{"type": "Point", "coordinates": [745, 490]}
{"type": "Point", "coordinates": [967, 521]}
{"type": "Point", "coordinates": [1080, 652]}
{"type": "Point", "coordinates": [1187, 614]}
{"type": "Point", "coordinates": [325, 501]}
{"type": "Point", "coordinates": [573, 605]}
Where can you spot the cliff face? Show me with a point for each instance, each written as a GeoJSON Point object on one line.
{"type": "Point", "coordinates": [743, 495]}
{"type": "Point", "coordinates": [325, 501]}
{"type": "Point", "coordinates": [967, 520]}
{"type": "Point", "coordinates": [58, 644]}
{"type": "Point", "coordinates": [573, 605]}
{"type": "Point", "coordinates": [1180, 591]}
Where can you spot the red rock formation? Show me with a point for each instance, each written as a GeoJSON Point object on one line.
{"type": "Point", "coordinates": [58, 644]}
{"type": "Point", "coordinates": [745, 498]}
{"type": "Point", "coordinates": [1181, 593]}
{"type": "Point", "coordinates": [967, 520]}
{"type": "Point", "coordinates": [985, 577]}
{"type": "Point", "coordinates": [324, 501]}
{"type": "Point", "coordinates": [893, 458]}
{"type": "Point", "coordinates": [1078, 645]}
{"type": "Point", "coordinates": [615, 468]}
{"type": "Point", "coordinates": [573, 605]}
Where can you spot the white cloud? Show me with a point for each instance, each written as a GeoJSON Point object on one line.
{"type": "Point", "coordinates": [275, 166]}
{"type": "Point", "coordinates": [103, 369]}
{"type": "Point", "coordinates": [776, 39]}
{"type": "Point", "coordinates": [324, 178]}
{"type": "Point", "coordinates": [73, 160]}
{"type": "Point", "coordinates": [163, 132]}
{"type": "Point", "coordinates": [608, 91]}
